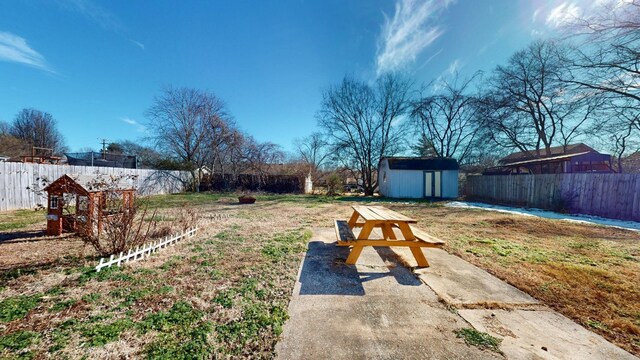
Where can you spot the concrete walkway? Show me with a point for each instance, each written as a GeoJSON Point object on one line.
{"type": "Point", "coordinates": [379, 309]}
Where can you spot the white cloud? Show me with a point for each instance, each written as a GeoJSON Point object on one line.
{"type": "Point", "coordinates": [408, 33]}
{"type": "Point", "coordinates": [130, 121]}
{"type": "Point", "coordinates": [96, 13]}
{"type": "Point", "coordinates": [454, 67]}
{"type": "Point", "coordinates": [138, 44]}
{"type": "Point", "coordinates": [534, 17]}
{"type": "Point", "coordinates": [563, 13]}
{"type": "Point", "coordinates": [14, 48]}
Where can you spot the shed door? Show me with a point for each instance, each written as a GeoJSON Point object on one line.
{"type": "Point", "coordinates": [433, 184]}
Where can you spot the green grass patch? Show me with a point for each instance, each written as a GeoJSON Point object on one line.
{"type": "Point", "coordinates": [225, 298]}
{"type": "Point", "coordinates": [184, 344]}
{"type": "Point", "coordinates": [177, 200]}
{"type": "Point", "coordinates": [18, 307]}
{"type": "Point", "coordinates": [92, 297]}
{"type": "Point", "coordinates": [479, 339]}
{"type": "Point", "coordinates": [62, 305]}
{"type": "Point", "coordinates": [182, 333]}
{"type": "Point", "coordinates": [100, 334]}
{"type": "Point", "coordinates": [286, 243]}
{"type": "Point", "coordinates": [11, 274]}
{"type": "Point", "coordinates": [256, 318]}
{"type": "Point", "coordinates": [20, 219]}
{"type": "Point", "coordinates": [113, 273]}
{"type": "Point", "coordinates": [60, 339]}
{"type": "Point", "coordinates": [18, 340]}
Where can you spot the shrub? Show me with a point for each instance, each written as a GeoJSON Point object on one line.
{"type": "Point", "coordinates": [334, 184]}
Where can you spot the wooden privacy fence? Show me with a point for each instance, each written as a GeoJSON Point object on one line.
{"type": "Point", "coordinates": [270, 183]}
{"type": "Point", "coordinates": [146, 249]}
{"type": "Point", "coordinates": [17, 181]}
{"type": "Point", "coordinates": [615, 196]}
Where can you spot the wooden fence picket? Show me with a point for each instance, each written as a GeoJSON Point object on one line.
{"type": "Point", "coordinates": [608, 195]}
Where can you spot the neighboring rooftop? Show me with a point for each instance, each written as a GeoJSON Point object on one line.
{"type": "Point", "coordinates": [421, 163]}
{"type": "Point", "coordinates": [554, 151]}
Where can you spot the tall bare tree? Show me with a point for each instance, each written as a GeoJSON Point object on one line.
{"type": "Point", "coordinates": [262, 157]}
{"type": "Point", "coordinates": [364, 123]}
{"type": "Point", "coordinates": [10, 145]}
{"type": "Point", "coordinates": [530, 108]}
{"type": "Point", "coordinates": [315, 151]}
{"type": "Point", "coordinates": [606, 60]}
{"type": "Point", "coordinates": [39, 129]}
{"type": "Point", "coordinates": [607, 57]}
{"type": "Point", "coordinates": [181, 121]}
{"type": "Point", "coordinates": [448, 121]}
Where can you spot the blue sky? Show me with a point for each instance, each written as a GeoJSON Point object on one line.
{"type": "Point", "coordinates": [96, 66]}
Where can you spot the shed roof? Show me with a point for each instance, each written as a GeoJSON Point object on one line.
{"type": "Point", "coordinates": [91, 183]}
{"type": "Point", "coordinates": [418, 163]}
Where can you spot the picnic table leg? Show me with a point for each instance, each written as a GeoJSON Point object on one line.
{"type": "Point", "coordinates": [353, 219]}
{"type": "Point", "coordinates": [417, 253]}
{"type": "Point", "coordinates": [388, 233]}
{"type": "Point", "coordinates": [406, 231]}
{"type": "Point", "coordinates": [357, 249]}
{"type": "Point", "coordinates": [354, 255]}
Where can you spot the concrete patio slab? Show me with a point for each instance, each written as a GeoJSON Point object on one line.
{"type": "Point", "coordinates": [379, 309]}
{"type": "Point", "coordinates": [461, 284]}
{"type": "Point", "coordinates": [542, 335]}
{"type": "Point", "coordinates": [375, 310]}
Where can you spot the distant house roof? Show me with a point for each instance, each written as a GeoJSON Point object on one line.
{"type": "Point", "coordinates": [555, 151]}
{"type": "Point", "coordinates": [552, 158]}
{"type": "Point", "coordinates": [631, 163]}
{"type": "Point", "coordinates": [417, 163]}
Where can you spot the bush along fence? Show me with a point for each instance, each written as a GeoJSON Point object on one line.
{"type": "Point", "coordinates": [145, 250]}
{"type": "Point", "coordinates": [615, 196]}
{"type": "Point", "coordinates": [270, 183]}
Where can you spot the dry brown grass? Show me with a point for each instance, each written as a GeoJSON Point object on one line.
{"type": "Point", "coordinates": [237, 275]}
{"type": "Point", "coordinates": [229, 286]}
{"type": "Point", "coordinates": [588, 273]}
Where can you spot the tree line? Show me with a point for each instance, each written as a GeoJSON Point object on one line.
{"type": "Point", "coordinates": [584, 86]}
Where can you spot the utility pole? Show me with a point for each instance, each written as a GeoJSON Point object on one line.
{"type": "Point", "coordinates": [104, 149]}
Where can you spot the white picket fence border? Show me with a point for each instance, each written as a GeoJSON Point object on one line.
{"type": "Point", "coordinates": [147, 249]}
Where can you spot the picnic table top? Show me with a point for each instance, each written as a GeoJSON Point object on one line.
{"type": "Point", "coordinates": [380, 213]}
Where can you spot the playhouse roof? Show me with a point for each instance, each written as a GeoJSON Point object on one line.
{"type": "Point", "coordinates": [83, 183]}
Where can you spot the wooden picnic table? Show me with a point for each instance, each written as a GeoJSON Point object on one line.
{"type": "Point", "coordinates": [371, 217]}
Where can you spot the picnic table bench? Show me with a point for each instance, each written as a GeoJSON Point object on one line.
{"type": "Point", "coordinates": [387, 220]}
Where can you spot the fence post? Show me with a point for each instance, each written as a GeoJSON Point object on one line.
{"type": "Point", "coordinates": [99, 267]}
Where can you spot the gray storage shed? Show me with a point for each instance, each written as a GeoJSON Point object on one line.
{"type": "Point", "coordinates": [410, 177]}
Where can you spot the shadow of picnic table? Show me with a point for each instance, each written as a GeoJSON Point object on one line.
{"type": "Point", "coordinates": [325, 273]}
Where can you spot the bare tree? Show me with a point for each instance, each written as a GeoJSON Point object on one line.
{"type": "Point", "coordinates": [262, 157]}
{"type": "Point", "coordinates": [37, 128]}
{"type": "Point", "coordinates": [10, 145]}
{"type": "Point", "coordinates": [620, 133]}
{"type": "Point", "coordinates": [182, 120]}
{"type": "Point", "coordinates": [448, 122]}
{"type": "Point", "coordinates": [529, 106]}
{"type": "Point", "coordinates": [315, 151]}
{"type": "Point", "coordinates": [607, 56]}
{"type": "Point", "coordinates": [364, 123]}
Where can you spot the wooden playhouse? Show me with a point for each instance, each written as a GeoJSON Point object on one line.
{"type": "Point", "coordinates": [95, 197]}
